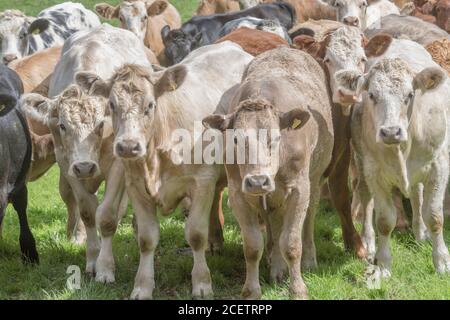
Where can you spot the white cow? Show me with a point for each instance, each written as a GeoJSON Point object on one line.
{"type": "Point", "coordinates": [81, 127]}
{"type": "Point", "coordinates": [400, 135]}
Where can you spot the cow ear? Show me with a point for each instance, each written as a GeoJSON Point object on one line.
{"type": "Point", "coordinates": [294, 119]}
{"type": "Point", "coordinates": [219, 122]}
{"type": "Point", "coordinates": [378, 45]}
{"type": "Point", "coordinates": [165, 33]}
{"type": "Point", "coordinates": [38, 26]}
{"type": "Point", "coordinates": [310, 45]}
{"type": "Point", "coordinates": [170, 80]}
{"type": "Point", "coordinates": [38, 107]}
{"type": "Point", "coordinates": [93, 84]}
{"type": "Point", "coordinates": [198, 39]}
{"type": "Point", "coordinates": [429, 79]}
{"type": "Point", "coordinates": [351, 82]}
{"type": "Point", "coordinates": [157, 8]}
{"type": "Point", "coordinates": [107, 11]}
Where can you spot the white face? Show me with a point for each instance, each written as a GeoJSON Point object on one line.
{"type": "Point", "coordinates": [350, 12]}
{"type": "Point", "coordinates": [344, 52]}
{"type": "Point", "coordinates": [389, 99]}
{"type": "Point", "coordinates": [13, 39]}
{"type": "Point", "coordinates": [133, 16]}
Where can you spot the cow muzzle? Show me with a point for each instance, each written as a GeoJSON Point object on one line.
{"type": "Point", "coordinates": [351, 21]}
{"type": "Point", "coordinates": [258, 184]}
{"type": "Point", "coordinates": [345, 99]}
{"type": "Point", "coordinates": [84, 169]}
{"type": "Point", "coordinates": [129, 149]}
{"type": "Point", "coordinates": [8, 58]}
{"type": "Point", "coordinates": [391, 135]}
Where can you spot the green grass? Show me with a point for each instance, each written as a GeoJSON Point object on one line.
{"type": "Point", "coordinates": [339, 275]}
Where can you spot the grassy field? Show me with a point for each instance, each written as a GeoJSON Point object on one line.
{"type": "Point", "coordinates": [339, 276]}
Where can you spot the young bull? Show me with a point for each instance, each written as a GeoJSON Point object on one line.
{"type": "Point", "coordinates": [396, 147]}
{"type": "Point", "coordinates": [81, 129]}
{"type": "Point", "coordinates": [362, 13]}
{"type": "Point", "coordinates": [344, 48]}
{"type": "Point", "coordinates": [21, 35]}
{"type": "Point", "coordinates": [15, 158]}
{"type": "Point", "coordinates": [283, 191]}
{"type": "Point", "coordinates": [147, 107]}
{"type": "Point", "coordinates": [145, 19]}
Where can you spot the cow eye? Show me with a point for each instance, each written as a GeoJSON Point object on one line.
{"type": "Point", "coordinates": [326, 60]}
{"type": "Point", "coordinates": [151, 106]}
{"type": "Point", "coordinates": [121, 18]}
{"type": "Point", "coordinates": [409, 97]}
{"type": "Point", "coordinates": [363, 60]}
{"type": "Point", "coordinates": [364, 4]}
{"type": "Point", "coordinates": [62, 127]}
{"type": "Point", "coordinates": [111, 106]}
{"type": "Point", "coordinates": [235, 140]}
{"type": "Point", "coordinates": [337, 4]}
{"type": "Point", "coordinates": [372, 97]}
{"type": "Point", "coordinates": [144, 18]}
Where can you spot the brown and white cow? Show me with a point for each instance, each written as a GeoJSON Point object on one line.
{"type": "Point", "coordinates": [145, 19]}
{"type": "Point", "coordinates": [344, 48]}
{"type": "Point", "coordinates": [396, 147]}
{"type": "Point", "coordinates": [310, 9]}
{"type": "Point", "coordinates": [81, 127]}
{"type": "Point", "coordinates": [254, 41]}
{"type": "Point", "coordinates": [147, 109]}
{"type": "Point", "coordinates": [208, 7]}
{"type": "Point", "coordinates": [284, 190]}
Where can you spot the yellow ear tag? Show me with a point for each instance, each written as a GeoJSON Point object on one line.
{"type": "Point", "coordinates": [173, 85]}
{"type": "Point", "coordinates": [296, 123]}
{"type": "Point", "coordinates": [36, 31]}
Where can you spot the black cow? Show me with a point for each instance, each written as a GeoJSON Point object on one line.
{"type": "Point", "coordinates": [15, 159]}
{"type": "Point", "coordinates": [203, 30]}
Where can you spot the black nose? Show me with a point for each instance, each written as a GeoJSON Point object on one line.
{"type": "Point", "coordinates": [391, 135]}
{"type": "Point", "coordinates": [351, 21]}
{"type": "Point", "coordinates": [85, 169]}
{"type": "Point", "coordinates": [9, 58]}
{"type": "Point", "coordinates": [128, 148]}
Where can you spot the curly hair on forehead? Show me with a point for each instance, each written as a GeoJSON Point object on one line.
{"type": "Point", "coordinates": [130, 73]}
{"type": "Point", "coordinates": [257, 104]}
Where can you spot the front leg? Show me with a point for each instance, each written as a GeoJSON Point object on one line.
{"type": "Point", "coordinates": [75, 228]}
{"type": "Point", "coordinates": [419, 227]}
{"type": "Point", "coordinates": [290, 241]}
{"type": "Point", "coordinates": [433, 201]}
{"type": "Point", "coordinates": [87, 204]}
{"type": "Point", "coordinates": [107, 217]}
{"type": "Point", "coordinates": [148, 237]}
{"type": "Point", "coordinates": [253, 241]}
{"type": "Point", "coordinates": [196, 232]}
{"type": "Point", "coordinates": [386, 218]}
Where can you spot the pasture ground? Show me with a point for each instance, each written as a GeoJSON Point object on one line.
{"type": "Point", "coordinates": [339, 276]}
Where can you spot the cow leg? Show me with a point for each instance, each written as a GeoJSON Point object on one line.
{"type": "Point", "coordinates": [367, 209]}
{"type": "Point", "coordinates": [386, 218]}
{"type": "Point", "coordinates": [419, 227]}
{"type": "Point", "coordinates": [75, 228]}
{"type": "Point", "coordinates": [290, 241]}
{"type": "Point", "coordinates": [402, 221]}
{"type": "Point", "coordinates": [3, 204]}
{"type": "Point", "coordinates": [253, 242]}
{"type": "Point", "coordinates": [278, 267]}
{"type": "Point", "coordinates": [433, 201]}
{"type": "Point", "coordinates": [148, 238]}
{"type": "Point", "coordinates": [87, 204]}
{"type": "Point", "coordinates": [196, 232]}
{"type": "Point", "coordinates": [107, 218]}
{"type": "Point", "coordinates": [340, 194]}
{"type": "Point", "coordinates": [215, 236]}
{"type": "Point", "coordinates": [27, 242]}
{"type": "Point", "coordinates": [309, 258]}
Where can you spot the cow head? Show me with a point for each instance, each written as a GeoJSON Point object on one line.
{"type": "Point", "coordinates": [133, 15]}
{"type": "Point", "coordinates": [389, 91]}
{"type": "Point", "coordinates": [133, 94]}
{"type": "Point", "coordinates": [344, 49]}
{"type": "Point", "coordinates": [78, 124]}
{"type": "Point", "coordinates": [15, 32]}
{"type": "Point", "coordinates": [179, 44]}
{"type": "Point", "coordinates": [257, 115]}
{"type": "Point", "coordinates": [351, 12]}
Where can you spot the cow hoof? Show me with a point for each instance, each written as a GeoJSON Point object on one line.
{"type": "Point", "coordinates": [141, 294]}
{"type": "Point", "coordinates": [385, 273]}
{"type": "Point", "coordinates": [215, 248]}
{"type": "Point", "coordinates": [90, 269]}
{"type": "Point", "coordinates": [309, 264]}
{"type": "Point", "coordinates": [202, 291]}
{"type": "Point", "coordinates": [443, 264]}
{"type": "Point", "coordinates": [251, 293]}
{"type": "Point", "coordinates": [299, 292]}
{"type": "Point", "coordinates": [421, 235]}
{"type": "Point", "coordinates": [105, 277]}
{"type": "Point", "coordinates": [30, 257]}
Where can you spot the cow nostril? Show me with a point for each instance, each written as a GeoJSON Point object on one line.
{"type": "Point", "coordinates": [76, 169]}
{"type": "Point", "coordinates": [119, 147]}
{"type": "Point", "coordinates": [137, 148]}
{"type": "Point", "coordinates": [92, 169]}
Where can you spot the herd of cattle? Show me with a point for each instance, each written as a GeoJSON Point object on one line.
{"type": "Point", "coordinates": [359, 89]}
